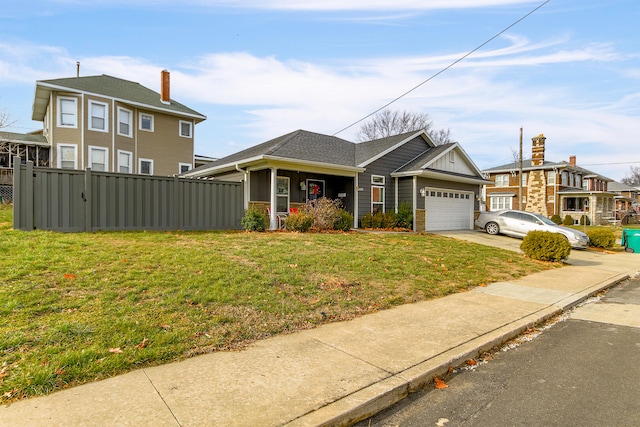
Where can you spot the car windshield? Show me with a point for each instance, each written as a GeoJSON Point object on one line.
{"type": "Point", "coordinates": [544, 219]}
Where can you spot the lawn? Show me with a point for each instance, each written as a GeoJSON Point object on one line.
{"type": "Point", "coordinates": [80, 307]}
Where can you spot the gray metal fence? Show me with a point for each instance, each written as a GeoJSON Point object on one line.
{"type": "Point", "coordinates": [74, 201]}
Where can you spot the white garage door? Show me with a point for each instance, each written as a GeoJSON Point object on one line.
{"type": "Point", "coordinates": [448, 210]}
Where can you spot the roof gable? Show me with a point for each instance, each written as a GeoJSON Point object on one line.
{"type": "Point", "coordinates": [370, 151]}
{"type": "Point", "coordinates": [438, 159]}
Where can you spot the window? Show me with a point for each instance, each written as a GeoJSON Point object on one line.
{"type": "Point", "coordinates": [377, 198]}
{"type": "Point", "coordinates": [145, 166]}
{"type": "Point", "coordinates": [184, 167]}
{"type": "Point", "coordinates": [124, 161]}
{"type": "Point", "coordinates": [452, 156]}
{"type": "Point", "coordinates": [502, 180]}
{"type": "Point", "coordinates": [67, 156]}
{"type": "Point", "coordinates": [146, 122]}
{"type": "Point", "coordinates": [585, 184]}
{"type": "Point", "coordinates": [501, 202]}
{"type": "Point", "coordinates": [124, 122]}
{"type": "Point", "coordinates": [282, 194]}
{"type": "Point", "coordinates": [551, 178]}
{"type": "Point", "coordinates": [565, 178]}
{"type": "Point", "coordinates": [98, 158]}
{"type": "Point", "coordinates": [67, 112]}
{"type": "Point", "coordinates": [98, 116]}
{"type": "Point", "coordinates": [185, 129]}
{"type": "Point", "coordinates": [524, 179]}
{"type": "Point", "coordinates": [377, 179]}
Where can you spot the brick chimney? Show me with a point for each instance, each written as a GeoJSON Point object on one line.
{"type": "Point", "coordinates": [572, 160]}
{"type": "Point", "coordinates": [165, 87]}
{"type": "Point", "coordinates": [537, 150]}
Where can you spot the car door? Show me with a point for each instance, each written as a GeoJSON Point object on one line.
{"type": "Point", "coordinates": [511, 224]}
{"type": "Point", "coordinates": [530, 222]}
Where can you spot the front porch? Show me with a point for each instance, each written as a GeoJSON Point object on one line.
{"type": "Point", "coordinates": [599, 209]}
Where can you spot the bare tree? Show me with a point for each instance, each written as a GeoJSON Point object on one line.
{"type": "Point", "coordinates": [633, 177]}
{"type": "Point", "coordinates": [5, 120]}
{"type": "Point", "coordinates": [388, 123]}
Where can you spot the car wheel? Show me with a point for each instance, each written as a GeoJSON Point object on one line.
{"type": "Point", "coordinates": [628, 249]}
{"type": "Point", "coordinates": [492, 228]}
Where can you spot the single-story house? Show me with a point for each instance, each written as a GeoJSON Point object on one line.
{"type": "Point", "coordinates": [441, 183]}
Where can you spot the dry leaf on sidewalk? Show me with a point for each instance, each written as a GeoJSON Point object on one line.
{"type": "Point", "coordinates": [439, 383]}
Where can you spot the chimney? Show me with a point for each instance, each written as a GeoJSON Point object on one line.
{"type": "Point", "coordinates": [572, 160]}
{"type": "Point", "coordinates": [165, 86]}
{"type": "Point", "coordinates": [537, 150]}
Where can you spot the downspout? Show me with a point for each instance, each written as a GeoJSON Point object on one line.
{"type": "Point", "coordinates": [245, 202]}
{"type": "Point", "coordinates": [356, 200]}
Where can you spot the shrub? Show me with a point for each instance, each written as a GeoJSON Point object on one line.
{"type": "Point", "coordinates": [584, 219]}
{"type": "Point", "coordinates": [324, 212]}
{"type": "Point", "coordinates": [601, 238]}
{"type": "Point", "coordinates": [367, 220]}
{"type": "Point", "coordinates": [568, 220]}
{"type": "Point", "coordinates": [556, 218]}
{"type": "Point", "coordinates": [300, 221]}
{"type": "Point", "coordinates": [546, 246]}
{"type": "Point", "coordinates": [405, 215]}
{"type": "Point", "coordinates": [389, 220]}
{"type": "Point", "coordinates": [254, 219]}
{"type": "Point", "coordinates": [344, 222]}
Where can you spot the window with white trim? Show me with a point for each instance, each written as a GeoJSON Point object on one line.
{"type": "Point", "coordinates": [185, 129]}
{"type": "Point", "coordinates": [124, 161]}
{"type": "Point", "coordinates": [551, 178]}
{"type": "Point", "coordinates": [282, 194]}
{"type": "Point", "coordinates": [377, 198]}
{"type": "Point", "coordinates": [524, 179]}
{"type": "Point", "coordinates": [146, 122]}
{"type": "Point", "coordinates": [98, 159]}
{"type": "Point", "coordinates": [184, 167]}
{"type": "Point", "coordinates": [124, 122]}
{"type": "Point", "coordinates": [67, 112]}
{"type": "Point", "coordinates": [502, 180]}
{"type": "Point", "coordinates": [377, 179]}
{"type": "Point", "coordinates": [67, 156]}
{"type": "Point", "coordinates": [145, 166]}
{"type": "Point", "coordinates": [98, 116]}
{"type": "Point", "coordinates": [501, 202]}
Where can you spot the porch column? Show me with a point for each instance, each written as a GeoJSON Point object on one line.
{"type": "Point", "coordinates": [415, 202]}
{"type": "Point", "coordinates": [355, 200]}
{"type": "Point", "coordinates": [273, 223]}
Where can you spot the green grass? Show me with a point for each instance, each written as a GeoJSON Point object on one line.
{"type": "Point", "coordinates": [80, 307]}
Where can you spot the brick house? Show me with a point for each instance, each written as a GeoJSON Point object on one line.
{"type": "Point", "coordinates": [550, 188]}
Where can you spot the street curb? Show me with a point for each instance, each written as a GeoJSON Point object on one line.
{"type": "Point", "coordinates": [383, 394]}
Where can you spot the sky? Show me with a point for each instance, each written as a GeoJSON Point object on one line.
{"type": "Point", "coordinates": [484, 69]}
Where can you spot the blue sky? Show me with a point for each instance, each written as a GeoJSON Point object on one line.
{"type": "Point", "coordinates": [260, 69]}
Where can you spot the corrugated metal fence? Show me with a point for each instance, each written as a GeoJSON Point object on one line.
{"type": "Point", "coordinates": [73, 201]}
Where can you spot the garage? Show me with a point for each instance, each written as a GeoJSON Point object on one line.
{"type": "Point", "coordinates": [448, 209]}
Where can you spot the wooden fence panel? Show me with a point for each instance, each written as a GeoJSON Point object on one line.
{"type": "Point", "coordinates": [70, 200]}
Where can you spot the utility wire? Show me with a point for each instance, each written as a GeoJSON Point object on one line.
{"type": "Point", "coordinates": [445, 68]}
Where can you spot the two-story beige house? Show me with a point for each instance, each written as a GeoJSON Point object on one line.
{"type": "Point", "coordinates": [115, 125]}
{"type": "Point", "coordinates": [550, 188]}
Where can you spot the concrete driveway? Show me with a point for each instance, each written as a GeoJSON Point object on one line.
{"type": "Point", "coordinates": [577, 256]}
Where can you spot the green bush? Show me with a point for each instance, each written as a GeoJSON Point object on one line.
{"type": "Point", "coordinates": [405, 215]}
{"type": "Point", "coordinates": [601, 238]}
{"type": "Point", "coordinates": [584, 219]}
{"type": "Point", "coordinates": [367, 220]}
{"type": "Point", "coordinates": [546, 246]}
{"type": "Point", "coordinates": [556, 218]}
{"type": "Point", "coordinates": [254, 219]}
{"type": "Point", "coordinates": [300, 221]}
{"type": "Point", "coordinates": [379, 220]}
{"type": "Point", "coordinates": [568, 220]}
{"type": "Point", "coordinates": [344, 221]}
{"type": "Point", "coordinates": [389, 220]}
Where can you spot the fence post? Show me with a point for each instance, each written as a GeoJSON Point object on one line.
{"type": "Point", "coordinates": [18, 207]}
{"type": "Point", "coordinates": [175, 203]}
{"type": "Point", "coordinates": [86, 198]}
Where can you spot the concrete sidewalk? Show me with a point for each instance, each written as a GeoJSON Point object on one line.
{"type": "Point", "coordinates": [332, 375]}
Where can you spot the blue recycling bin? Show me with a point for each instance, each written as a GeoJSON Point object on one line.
{"type": "Point", "coordinates": [631, 239]}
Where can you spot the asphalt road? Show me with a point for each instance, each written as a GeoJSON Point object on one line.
{"type": "Point", "coordinates": [582, 371]}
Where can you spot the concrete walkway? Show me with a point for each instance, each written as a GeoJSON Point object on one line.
{"type": "Point", "coordinates": [335, 374]}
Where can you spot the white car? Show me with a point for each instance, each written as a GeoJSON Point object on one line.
{"type": "Point", "coordinates": [518, 223]}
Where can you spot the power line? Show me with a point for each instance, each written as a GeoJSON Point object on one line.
{"type": "Point", "coordinates": [445, 68]}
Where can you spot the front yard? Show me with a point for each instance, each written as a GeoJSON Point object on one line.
{"type": "Point", "coordinates": [80, 307]}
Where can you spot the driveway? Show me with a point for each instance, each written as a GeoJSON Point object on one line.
{"type": "Point", "coordinates": [577, 256]}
